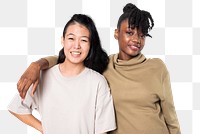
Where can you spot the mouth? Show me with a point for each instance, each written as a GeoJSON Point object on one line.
{"type": "Point", "coordinates": [75, 52]}
{"type": "Point", "coordinates": [134, 47]}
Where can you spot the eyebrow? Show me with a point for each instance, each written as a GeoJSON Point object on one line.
{"type": "Point", "coordinates": [75, 35]}
{"type": "Point", "coordinates": [130, 28]}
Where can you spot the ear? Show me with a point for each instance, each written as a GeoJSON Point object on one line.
{"type": "Point", "coordinates": [116, 34]}
{"type": "Point", "coordinates": [62, 41]}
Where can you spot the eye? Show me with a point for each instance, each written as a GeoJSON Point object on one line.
{"type": "Point", "coordinates": [142, 36]}
{"type": "Point", "coordinates": [84, 40]}
{"type": "Point", "coordinates": [129, 33]}
{"type": "Point", "coordinates": [70, 38]}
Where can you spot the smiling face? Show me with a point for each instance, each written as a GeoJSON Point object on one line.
{"type": "Point", "coordinates": [76, 44]}
{"type": "Point", "coordinates": [131, 41]}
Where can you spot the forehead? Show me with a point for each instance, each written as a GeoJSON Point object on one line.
{"type": "Point", "coordinates": [125, 26]}
{"type": "Point", "coordinates": [77, 28]}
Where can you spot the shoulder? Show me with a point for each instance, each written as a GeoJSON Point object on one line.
{"type": "Point", "coordinates": [156, 62]}
{"type": "Point", "coordinates": [157, 65]}
{"type": "Point", "coordinates": [51, 71]}
{"type": "Point", "coordinates": [112, 60]}
{"type": "Point", "coordinates": [111, 57]}
{"type": "Point", "coordinates": [96, 75]}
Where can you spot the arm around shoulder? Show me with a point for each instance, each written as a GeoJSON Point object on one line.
{"type": "Point", "coordinates": [32, 74]}
{"type": "Point", "coordinates": [52, 60]}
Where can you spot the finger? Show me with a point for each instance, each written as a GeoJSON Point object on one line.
{"type": "Point", "coordinates": [22, 86]}
{"type": "Point", "coordinates": [19, 83]}
{"type": "Point", "coordinates": [27, 86]}
{"type": "Point", "coordinates": [23, 94]}
{"type": "Point", "coordinates": [34, 87]}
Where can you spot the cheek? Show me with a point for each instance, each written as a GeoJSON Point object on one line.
{"type": "Point", "coordinates": [142, 42]}
{"type": "Point", "coordinates": [123, 42]}
{"type": "Point", "coordinates": [66, 49]}
{"type": "Point", "coordinates": [87, 49]}
{"type": "Point", "coordinates": [66, 52]}
{"type": "Point", "coordinates": [66, 44]}
{"type": "Point", "coordinates": [124, 39]}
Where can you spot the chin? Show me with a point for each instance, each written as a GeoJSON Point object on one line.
{"type": "Point", "coordinates": [135, 54]}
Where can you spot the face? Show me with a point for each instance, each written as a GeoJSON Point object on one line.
{"type": "Point", "coordinates": [131, 41]}
{"type": "Point", "coordinates": [76, 43]}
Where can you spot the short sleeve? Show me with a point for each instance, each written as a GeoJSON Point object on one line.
{"type": "Point", "coordinates": [105, 116]}
{"type": "Point", "coordinates": [26, 106]}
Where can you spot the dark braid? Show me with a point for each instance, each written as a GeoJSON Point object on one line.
{"type": "Point", "coordinates": [137, 18]}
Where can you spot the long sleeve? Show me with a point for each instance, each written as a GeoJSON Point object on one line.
{"type": "Point", "coordinates": [168, 107]}
{"type": "Point", "coordinates": [52, 60]}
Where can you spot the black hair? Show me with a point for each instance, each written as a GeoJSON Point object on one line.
{"type": "Point", "coordinates": [136, 18]}
{"type": "Point", "coordinates": [97, 59]}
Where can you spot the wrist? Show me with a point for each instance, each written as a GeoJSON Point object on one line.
{"type": "Point", "coordinates": [39, 127]}
{"type": "Point", "coordinates": [36, 65]}
{"type": "Point", "coordinates": [41, 64]}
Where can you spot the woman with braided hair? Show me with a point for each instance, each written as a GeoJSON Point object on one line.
{"type": "Point", "coordinates": [140, 86]}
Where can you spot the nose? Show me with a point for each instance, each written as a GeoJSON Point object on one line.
{"type": "Point", "coordinates": [136, 38]}
{"type": "Point", "coordinates": [77, 44]}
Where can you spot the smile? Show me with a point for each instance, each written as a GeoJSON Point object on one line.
{"type": "Point", "coordinates": [75, 53]}
{"type": "Point", "coordinates": [134, 47]}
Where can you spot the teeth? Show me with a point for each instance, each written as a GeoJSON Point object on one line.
{"type": "Point", "coordinates": [75, 52]}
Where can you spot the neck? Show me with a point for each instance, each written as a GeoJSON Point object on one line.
{"type": "Point", "coordinates": [122, 56]}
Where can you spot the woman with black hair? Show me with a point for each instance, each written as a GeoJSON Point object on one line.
{"type": "Point", "coordinates": [140, 86]}
{"type": "Point", "coordinates": [72, 97]}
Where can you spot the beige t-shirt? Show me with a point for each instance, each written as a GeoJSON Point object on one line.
{"type": "Point", "coordinates": [70, 105]}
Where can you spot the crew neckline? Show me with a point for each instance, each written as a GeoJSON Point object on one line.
{"type": "Point", "coordinates": [57, 69]}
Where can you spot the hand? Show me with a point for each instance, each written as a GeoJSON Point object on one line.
{"type": "Point", "coordinates": [30, 76]}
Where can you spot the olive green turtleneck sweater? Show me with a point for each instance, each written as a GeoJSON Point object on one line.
{"type": "Point", "coordinates": [142, 96]}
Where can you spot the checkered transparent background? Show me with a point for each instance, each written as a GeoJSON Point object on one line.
{"type": "Point", "coordinates": [31, 29]}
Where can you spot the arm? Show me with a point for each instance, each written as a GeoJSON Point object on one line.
{"type": "Point", "coordinates": [168, 107]}
{"type": "Point", "coordinates": [30, 120]}
{"type": "Point", "coordinates": [32, 74]}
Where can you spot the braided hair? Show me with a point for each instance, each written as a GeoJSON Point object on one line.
{"type": "Point", "coordinates": [136, 18]}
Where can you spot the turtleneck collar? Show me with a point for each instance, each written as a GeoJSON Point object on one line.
{"type": "Point", "coordinates": [137, 60]}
